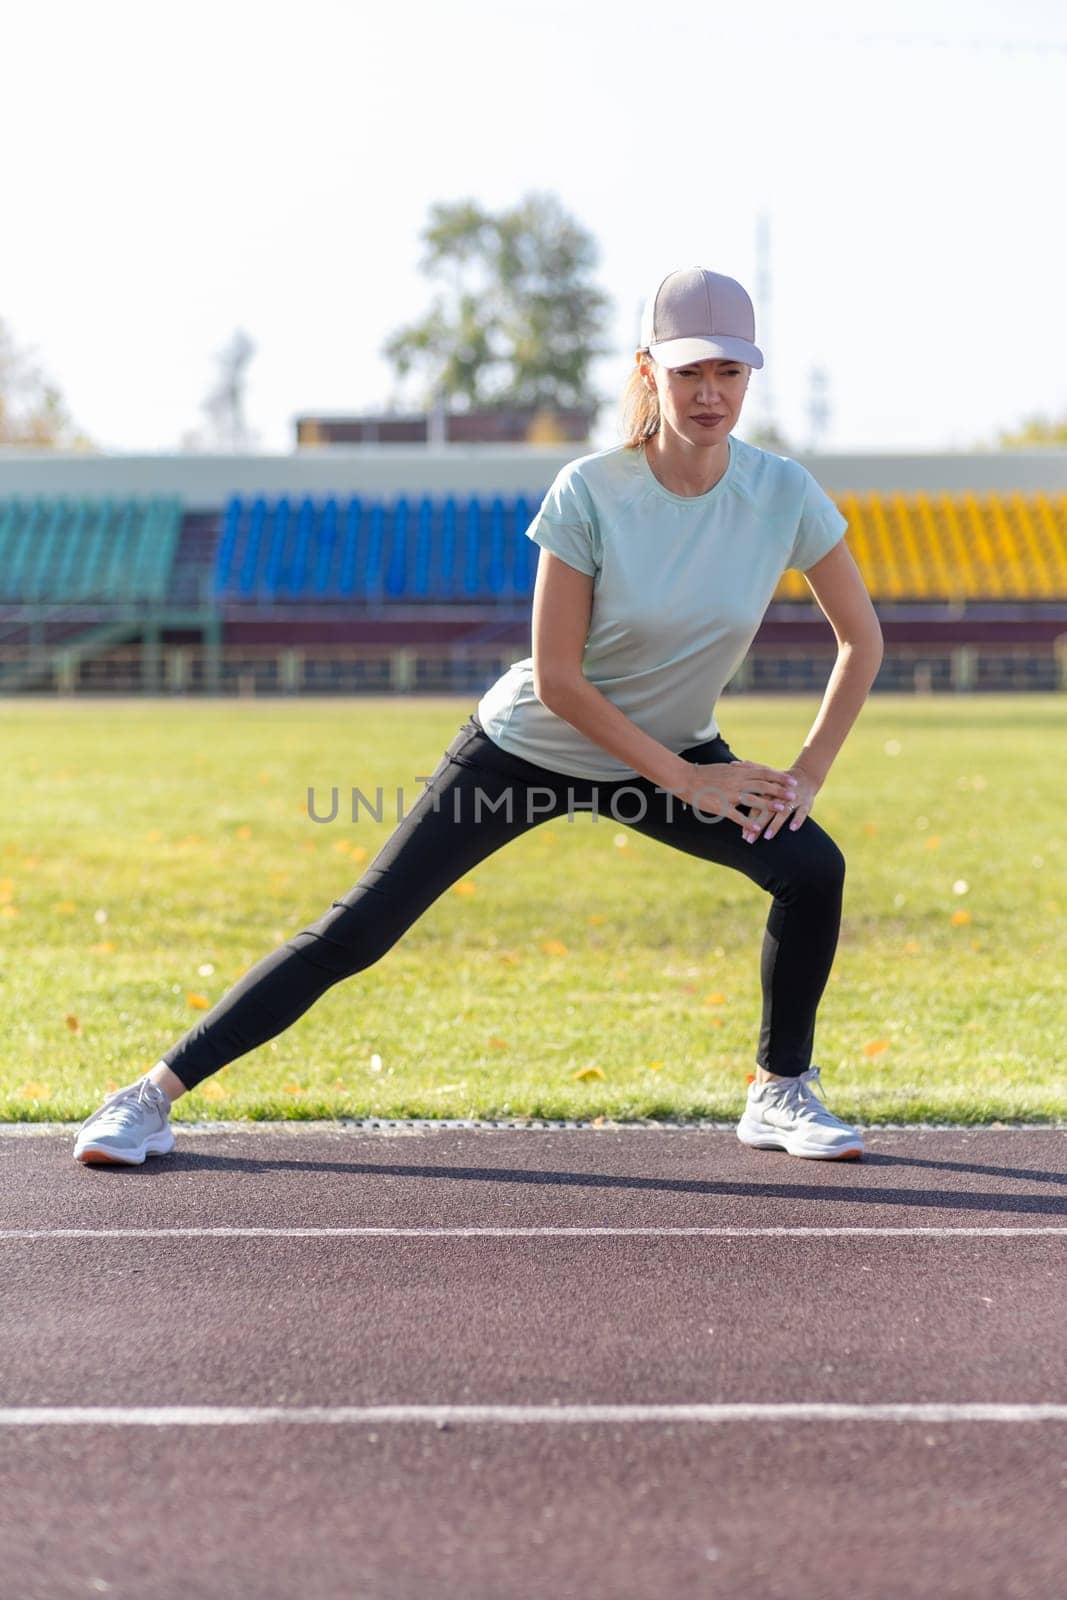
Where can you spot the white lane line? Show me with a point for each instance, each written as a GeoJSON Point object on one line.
{"type": "Point", "coordinates": [786, 1411]}
{"type": "Point", "coordinates": [525, 1233]}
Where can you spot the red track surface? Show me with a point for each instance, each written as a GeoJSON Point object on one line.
{"type": "Point", "coordinates": [602, 1510]}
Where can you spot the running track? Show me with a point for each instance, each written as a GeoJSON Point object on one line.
{"type": "Point", "coordinates": [612, 1364]}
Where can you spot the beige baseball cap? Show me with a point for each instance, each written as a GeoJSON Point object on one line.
{"type": "Point", "coordinates": [697, 315]}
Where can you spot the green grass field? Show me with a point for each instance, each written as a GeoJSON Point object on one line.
{"type": "Point", "coordinates": [154, 850]}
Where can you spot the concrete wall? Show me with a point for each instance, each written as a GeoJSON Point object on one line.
{"type": "Point", "coordinates": [205, 482]}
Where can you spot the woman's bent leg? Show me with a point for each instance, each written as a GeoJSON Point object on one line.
{"type": "Point", "coordinates": [805, 873]}
{"type": "Point", "coordinates": [462, 816]}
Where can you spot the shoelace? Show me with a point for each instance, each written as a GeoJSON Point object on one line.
{"type": "Point", "coordinates": [799, 1094]}
{"type": "Point", "coordinates": [125, 1105]}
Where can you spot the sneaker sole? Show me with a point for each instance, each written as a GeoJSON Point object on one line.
{"type": "Point", "coordinates": [851, 1152]}
{"type": "Point", "coordinates": [100, 1155]}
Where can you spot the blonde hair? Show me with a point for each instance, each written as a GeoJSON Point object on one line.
{"type": "Point", "coordinates": [640, 409]}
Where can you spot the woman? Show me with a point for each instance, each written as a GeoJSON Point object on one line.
{"type": "Point", "coordinates": [659, 558]}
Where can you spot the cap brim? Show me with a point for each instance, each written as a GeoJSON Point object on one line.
{"type": "Point", "coordinates": [680, 352]}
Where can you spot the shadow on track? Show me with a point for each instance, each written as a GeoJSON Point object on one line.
{"type": "Point", "coordinates": [847, 1192]}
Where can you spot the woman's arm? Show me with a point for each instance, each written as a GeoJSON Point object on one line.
{"type": "Point", "coordinates": [838, 587]}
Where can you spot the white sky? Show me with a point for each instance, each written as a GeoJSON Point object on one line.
{"type": "Point", "coordinates": [170, 173]}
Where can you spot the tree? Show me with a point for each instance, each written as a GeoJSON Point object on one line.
{"type": "Point", "coordinates": [516, 320]}
{"type": "Point", "coordinates": [768, 436]}
{"type": "Point", "coordinates": [224, 405]}
{"type": "Point", "coordinates": [1035, 430]}
{"type": "Point", "coordinates": [32, 410]}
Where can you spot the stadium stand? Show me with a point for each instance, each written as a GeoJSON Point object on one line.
{"type": "Point", "coordinates": [430, 549]}
{"type": "Point", "coordinates": [81, 576]}
{"type": "Point", "coordinates": [908, 547]}
{"type": "Point", "coordinates": [78, 550]}
{"type": "Point", "coordinates": [339, 593]}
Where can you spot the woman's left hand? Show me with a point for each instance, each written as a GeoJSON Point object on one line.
{"type": "Point", "coordinates": [793, 812]}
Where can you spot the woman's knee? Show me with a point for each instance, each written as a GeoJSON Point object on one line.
{"type": "Point", "coordinates": [346, 939]}
{"type": "Point", "coordinates": [820, 865]}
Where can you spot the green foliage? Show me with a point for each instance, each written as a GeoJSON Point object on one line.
{"type": "Point", "coordinates": [148, 840]}
{"type": "Point", "coordinates": [516, 320]}
{"type": "Point", "coordinates": [32, 409]}
{"type": "Point", "coordinates": [1036, 430]}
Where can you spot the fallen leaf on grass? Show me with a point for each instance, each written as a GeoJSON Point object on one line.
{"type": "Point", "coordinates": [958, 918]}
{"type": "Point", "coordinates": [73, 1024]}
{"type": "Point", "coordinates": [587, 1072]}
{"type": "Point", "coordinates": [714, 999]}
{"type": "Point", "coordinates": [553, 947]}
{"type": "Point", "coordinates": [464, 887]}
{"type": "Point", "coordinates": [199, 1002]}
{"type": "Point", "coordinates": [876, 1046]}
{"type": "Point", "coordinates": [498, 1044]}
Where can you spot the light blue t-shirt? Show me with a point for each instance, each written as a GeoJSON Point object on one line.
{"type": "Point", "coordinates": [681, 584]}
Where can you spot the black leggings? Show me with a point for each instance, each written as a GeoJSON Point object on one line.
{"type": "Point", "coordinates": [479, 798]}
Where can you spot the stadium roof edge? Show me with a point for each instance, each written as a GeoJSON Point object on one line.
{"type": "Point", "coordinates": [206, 482]}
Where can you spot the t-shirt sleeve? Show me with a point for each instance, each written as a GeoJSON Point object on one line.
{"type": "Point", "coordinates": [821, 526]}
{"type": "Point", "coordinates": [566, 526]}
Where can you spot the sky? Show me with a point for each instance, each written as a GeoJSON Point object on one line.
{"type": "Point", "coordinates": [172, 173]}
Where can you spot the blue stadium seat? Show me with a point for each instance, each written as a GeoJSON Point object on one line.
{"type": "Point", "coordinates": [224, 557]}
{"type": "Point", "coordinates": [521, 574]}
{"type": "Point", "coordinates": [445, 584]}
{"type": "Point", "coordinates": [353, 530]}
{"type": "Point", "coordinates": [324, 555]}
{"type": "Point", "coordinates": [496, 571]}
{"type": "Point", "coordinates": [296, 578]}
{"type": "Point", "coordinates": [250, 555]}
{"type": "Point", "coordinates": [396, 578]}
{"type": "Point", "coordinates": [424, 548]}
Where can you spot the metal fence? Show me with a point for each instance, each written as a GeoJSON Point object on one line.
{"type": "Point", "coordinates": [196, 670]}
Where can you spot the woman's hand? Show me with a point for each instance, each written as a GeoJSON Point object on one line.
{"type": "Point", "coordinates": [775, 818]}
{"type": "Point", "coordinates": [722, 788]}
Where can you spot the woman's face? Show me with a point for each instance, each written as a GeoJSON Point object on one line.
{"type": "Point", "coordinates": [701, 403]}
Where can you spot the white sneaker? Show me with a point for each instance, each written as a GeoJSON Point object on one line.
{"type": "Point", "coordinates": [132, 1123]}
{"type": "Point", "coordinates": [786, 1114]}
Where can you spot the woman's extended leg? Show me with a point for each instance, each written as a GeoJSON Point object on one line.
{"type": "Point", "coordinates": [467, 811]}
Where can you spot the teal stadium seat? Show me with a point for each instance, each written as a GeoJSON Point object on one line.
{"type": "Point", "coordinates": [79, 551]}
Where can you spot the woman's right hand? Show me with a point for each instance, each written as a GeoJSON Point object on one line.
{"type": "Point", "coordinates": [720, 788]}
